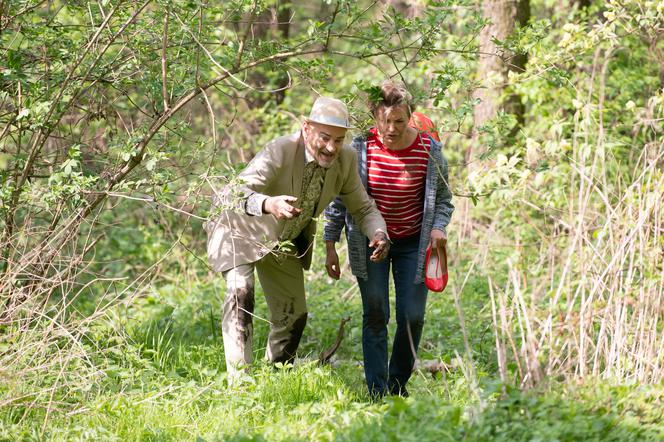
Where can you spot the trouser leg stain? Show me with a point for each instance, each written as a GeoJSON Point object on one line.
{"type": "Point", "coordinates": [237, 325]}
{"type": "Point", "coordinates": [286, 347]}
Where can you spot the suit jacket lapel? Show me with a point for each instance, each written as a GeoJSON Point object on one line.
{"type": "Point", "coordinates": [298, 168]}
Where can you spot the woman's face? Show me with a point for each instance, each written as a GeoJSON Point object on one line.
{"type": "Point", "coordinates": [392, 124]}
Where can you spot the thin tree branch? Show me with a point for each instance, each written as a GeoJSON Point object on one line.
{"type": "Point", "coordinates": [164, 70]}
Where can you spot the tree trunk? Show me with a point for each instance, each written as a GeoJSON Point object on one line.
{"type": "Point", "coordinates": [495, 62]}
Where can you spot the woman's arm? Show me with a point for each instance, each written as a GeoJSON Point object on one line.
{"type": "Point", "coordinates": [335, 220]}
{"type": "Point", "coordinates": [444, 208]}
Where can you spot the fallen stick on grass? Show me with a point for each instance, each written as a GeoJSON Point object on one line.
{"type": "Point", "coordinates": [325, 355]}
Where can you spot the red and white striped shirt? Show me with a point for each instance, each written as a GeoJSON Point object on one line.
{"type": "Point", "coordinates": [396, 181]}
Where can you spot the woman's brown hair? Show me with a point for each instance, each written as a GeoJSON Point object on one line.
{"type": "Point", "coordinates": [391, 94]}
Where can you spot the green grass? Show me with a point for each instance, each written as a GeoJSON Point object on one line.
{"type": "Point", "coordinates": [157, 373]}
{"type": "Point", "coordinates": [324, 403]}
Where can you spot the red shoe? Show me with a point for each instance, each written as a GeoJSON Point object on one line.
{"type": "Point", "coordinates": [435, 275]}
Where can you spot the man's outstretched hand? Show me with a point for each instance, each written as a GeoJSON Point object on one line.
{"type": "Point", "coordinates": [381, 246]}
{"type": "Point", "coordinates": [280, 206]}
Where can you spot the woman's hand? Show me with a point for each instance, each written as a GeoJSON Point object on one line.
{"type": "Point", "coordinates": [438, 239]}
{"type": "Point", "coordinates": [332, 260]}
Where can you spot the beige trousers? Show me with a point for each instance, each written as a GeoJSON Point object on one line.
{"type": "Point", "coordinates": [282, 280]}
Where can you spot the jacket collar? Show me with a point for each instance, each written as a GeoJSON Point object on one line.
{"type": "Point", "coordinates": [298, 165]}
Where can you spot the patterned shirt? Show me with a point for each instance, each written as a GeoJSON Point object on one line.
{"type": "Point", "coordinates": [313, 177]}
{"type": "Point", "coordinates": [396, 181]}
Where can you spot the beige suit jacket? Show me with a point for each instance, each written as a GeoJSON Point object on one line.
{"type": "Point", "coordinates": [236, 238]}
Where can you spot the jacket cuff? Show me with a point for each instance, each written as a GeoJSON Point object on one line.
{"type": "Point", "coordinates": [329, 235]}
{"type": "Point", "coordinates": [387, 237]}
{"type": "Point", "coordinates": [440, 227]}
{"type": "Point", "coordinates": [254, 204]}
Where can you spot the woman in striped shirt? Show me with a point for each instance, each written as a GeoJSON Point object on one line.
{"type": "Point", "coordinates": [406, 174]}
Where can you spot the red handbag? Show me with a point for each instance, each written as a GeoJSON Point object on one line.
{"type": "Point", "coordinates": [435, 266]}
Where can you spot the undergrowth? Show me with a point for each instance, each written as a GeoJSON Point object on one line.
{"type": "Point", "coordinates": [159, 374]}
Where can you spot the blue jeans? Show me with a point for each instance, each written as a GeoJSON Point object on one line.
{"type": "Point", "coordinates": [410, 306]}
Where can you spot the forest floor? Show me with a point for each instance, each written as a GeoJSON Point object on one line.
{"type": "Point", "coordinates": [159, 375]}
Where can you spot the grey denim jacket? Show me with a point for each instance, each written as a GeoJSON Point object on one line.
{"type": "Point", "coordinates": [438, 210]}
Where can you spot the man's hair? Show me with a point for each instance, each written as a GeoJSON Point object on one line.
{"type": "Point", "coordinates": [391, 93]}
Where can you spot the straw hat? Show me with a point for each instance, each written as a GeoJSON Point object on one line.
{"type": "Point", "coordinates": [329, 111]}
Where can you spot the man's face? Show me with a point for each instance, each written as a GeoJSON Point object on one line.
{"type": "Point", "coordinates": [323, 142]}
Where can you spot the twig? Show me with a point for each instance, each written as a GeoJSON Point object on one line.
{"type": "Point", "coordinates": [325, 355]}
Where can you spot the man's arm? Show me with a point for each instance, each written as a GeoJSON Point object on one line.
{"type": "Point", "coordinates": [364, 211]}
{"type": "Point", "coordinates": [256, 177]}
{"type": "Point", "coordinates": [358, 203]}
{"type": "Point", "coordinates": [248, 194]}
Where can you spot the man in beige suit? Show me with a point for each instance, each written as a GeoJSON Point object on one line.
{"type": "Point", "coordinates": [264, 221]}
